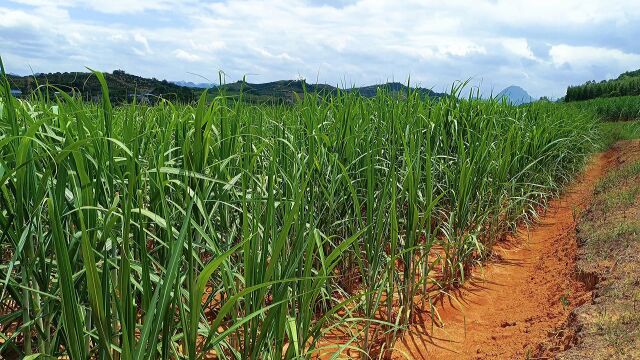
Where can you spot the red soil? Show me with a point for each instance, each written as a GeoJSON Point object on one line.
{"type": "Point", "coordinates": [519, 300]}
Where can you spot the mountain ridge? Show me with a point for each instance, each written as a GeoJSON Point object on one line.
{"type": "Point", "coordinates": [124, 86]}
{"type": "Point", "coordinates": [515, 95]}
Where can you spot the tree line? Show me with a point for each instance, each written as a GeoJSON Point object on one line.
{"type": "Point", "coordinates": [627, 84]}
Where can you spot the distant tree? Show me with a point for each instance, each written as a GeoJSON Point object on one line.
{"type": "Point", "coordinates": [627, 84]}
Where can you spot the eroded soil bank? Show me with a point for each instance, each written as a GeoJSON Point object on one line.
{"type": "Point", "coordinates": [519, 305]}
{"type": "Point", "coordinates": [609, 258]}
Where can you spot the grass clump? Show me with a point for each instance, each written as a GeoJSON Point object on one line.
{"type": "Point", "coordinates": [610, 234]}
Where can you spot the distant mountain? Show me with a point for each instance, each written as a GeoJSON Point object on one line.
{"type": "Point", "coordinates": [396, 87]}
{"type": "Point", "coordinates": [195, 85]}
{"type": "Point", "coordinates": [515, 95]}
{"type": "Point", "coordinates": [287, 91]}
{"type": "Point", "coordinates": [123, 87]}
{"type": "Point", "coordinates": [277, 89]}
{"type": "Point", "coordinates": [629, 74]}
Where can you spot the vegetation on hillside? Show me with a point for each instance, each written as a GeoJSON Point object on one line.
{"type": "Point", "coordinates": [124, 87]}
{"type": "Point", "coordinates": [172, 231]}
{"type": "Point", "coordinates": [627, 84]}
{"type": "Point", "coordinates": [290, 91]}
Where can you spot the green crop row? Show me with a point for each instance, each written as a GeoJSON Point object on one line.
{"type": "Point", "coordinates": [625, 108]}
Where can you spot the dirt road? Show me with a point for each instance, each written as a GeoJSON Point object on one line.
{"type": "Point", "coordinates": [520, 299]}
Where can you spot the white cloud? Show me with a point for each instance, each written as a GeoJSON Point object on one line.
{"type": "Point", "coordinates": [208, 46]}
{"type": "Point", "coordinates": [146, 49]}
{"type": "Point", "coordinates": [590, 56]}
{"type": "Point", "coordinates": [128, 6]}
{"type": "Point", "coordinates": [283, 56]}
{"type": "Point", "coordinates": [111, 6]}
{"type": "Point", "coordinates": [519, 47]}
{"type": "Point", "coordinates": [542, 45]}
{"type": "Point", "coordinates": [10, 18]}
{"type": "Point", "coordinates": [186, 56]}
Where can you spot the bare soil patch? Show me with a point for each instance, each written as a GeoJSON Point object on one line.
{"type": "Point", "coordinates": [519, 305]}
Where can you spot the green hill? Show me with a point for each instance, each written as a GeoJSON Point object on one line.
{"type": "Point", "coordinates": [281, 91]}
{"type": "Point", "coordinates": [123, 87]}
{"type": "Point", "coordinates": [627, 84]}
{"type": "Point", "coordinates": [289, 90]}
{"type": "Point", "coordinates": [395, 87]}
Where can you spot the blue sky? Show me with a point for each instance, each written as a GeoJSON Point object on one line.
{"type": "Point", "coordinates": [540, 45]}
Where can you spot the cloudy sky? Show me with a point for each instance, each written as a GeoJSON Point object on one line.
{"type": "Point", "coordinates": [540, 45]}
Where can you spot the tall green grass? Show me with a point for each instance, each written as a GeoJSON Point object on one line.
{"type": "Point", "coordinates": [613, 132]}
{"type": "Point", "coordinates": [256, 232]}
{"type": "Point", "coordinates": [624, 108]}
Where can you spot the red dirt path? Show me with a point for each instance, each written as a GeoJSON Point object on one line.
{"type": "Point", "coordinates": [514, 303]}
